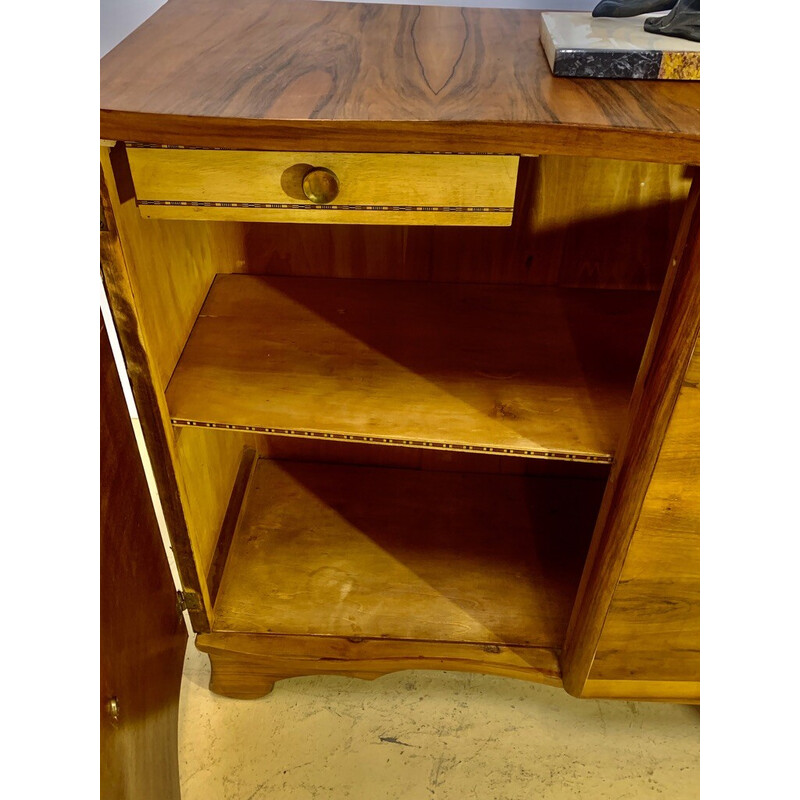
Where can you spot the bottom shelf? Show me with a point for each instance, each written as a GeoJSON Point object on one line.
{"type": "Point", "coordinates": [385, 553]}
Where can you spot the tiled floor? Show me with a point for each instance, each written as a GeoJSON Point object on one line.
{"type": "Point", "coordinates": [430, 736]}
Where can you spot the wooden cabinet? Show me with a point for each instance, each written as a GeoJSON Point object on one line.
{"type": "Point", "coordinates": [438, 433]}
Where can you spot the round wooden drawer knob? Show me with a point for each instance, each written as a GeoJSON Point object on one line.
{"type": "Point", "coordinates": [320, 186]}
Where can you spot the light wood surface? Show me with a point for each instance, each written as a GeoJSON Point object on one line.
{"type": "Point", "coordinates": [157, 275]}
{"type": "Point", "coordinates": [170, 267]}
{"type": "Point", "coordinates": [408, 189]}
{"type": "Point", "coordinates": [404, 554]}
{"type": "Point", "coordinates": [652, 631]}
{"type": "Point", "coordinates": [233, 513]}
{"type": "Point", "coordinates": [536, 372]}
{"type": "Point", "coordinates": [664, 365]}
{"type": "Point", "coordinates": [246, 666]}
{"type": "Point", "coordinates": [164, 273]}
{"type": "Point", "coordinates": [275, 74]}
{"type": "Point", "coordinates": [208, 461]}
{"type": "Point", "coordinates": [579, 222]}
{"type": "Point", "coordinates": [605, 223]}
{"type": "Point", "coordinates": [118, 266]}
{"type": "Point", "coordinates": [669, 691]}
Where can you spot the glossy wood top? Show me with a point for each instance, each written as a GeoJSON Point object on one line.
{"type": "Point", "coordinates": [272, 74]}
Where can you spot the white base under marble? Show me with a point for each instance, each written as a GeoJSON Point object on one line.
{"type": "Point", "coordinates": [579, 30]}
{"type": "Point", "coordinates": [578, 45]}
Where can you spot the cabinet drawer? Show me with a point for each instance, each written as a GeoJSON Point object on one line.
{"type": "Point", "coordinates": [371, 188]}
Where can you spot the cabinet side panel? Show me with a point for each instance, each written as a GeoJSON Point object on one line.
{"type": "Point", "coordinates": [209, 461]}
{"type": "Point", "coordinates": [652, 631]}
{"type": "Point", "coordinates": [157, 275]}
{"type": "Point", "coordinates": [171, 266]}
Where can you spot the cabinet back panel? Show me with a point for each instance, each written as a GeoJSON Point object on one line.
{"type": "Point", "coordinates": [578, 222]}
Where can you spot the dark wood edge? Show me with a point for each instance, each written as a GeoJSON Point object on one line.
{"type": "Point", "coordinates": [388, 441]}
{"type": "Point", "coordinates": [308, 655]}
{"type": "Point", "coordinates": [155, 425]}
{"type": "Point", "coordinates": [230, 522]}
{"type": "Point", "coordinates": [667, 356]}
{"type": "Point", "coordinates": [402, 136]}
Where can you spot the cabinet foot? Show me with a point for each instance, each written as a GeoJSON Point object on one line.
{"type": "Point", "coordinates": [239, 677]}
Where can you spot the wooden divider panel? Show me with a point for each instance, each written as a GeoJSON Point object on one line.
{"type": "Point", "coordinates": [652, 631]}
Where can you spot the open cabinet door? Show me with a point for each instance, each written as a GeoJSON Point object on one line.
{"type": "Point", "coordinates": [142, 634]}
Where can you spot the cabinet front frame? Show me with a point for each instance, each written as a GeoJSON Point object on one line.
{"type": "Point", "coordinates": [664, 364]}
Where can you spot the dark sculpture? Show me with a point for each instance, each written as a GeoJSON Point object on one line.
{"type": "Point", "coordinates": [683, 21]}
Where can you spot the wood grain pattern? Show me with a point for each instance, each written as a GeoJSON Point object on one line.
{"type": "Point", "coordinates": [157, 276]}
{"type": "Point", "coordinates": [208, 461]}
{"type": "Point", "coordinates": [665, 362]}
{"type": "Point", "coordinates": [534, 372]}
{"type": "Point", "coordinates": [170, 267]}
{"type": "Point", "coordinates": [652, 631]}
{"type": "Point", "coordinates": [423, 361]}
{"type": "Point", "coordinates": [403, 554]}
{"type": "Point", "coordinates": [233, 513]}
{"type": "Point", "coordinates": [247, 665]}
{"type": "Point", "coordinates": [256, 74]}
{"type": "Point", "coordinates": [409, 189]}
{"type": "Point", "coordinates": [142, 636]}
{"type": "Point", "coordinates": [604, 223]}
{"type": "Point", "coordinates": [148, 395]}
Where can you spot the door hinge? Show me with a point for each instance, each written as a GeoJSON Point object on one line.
{"type": "Point", "coordinates": [187, 601]}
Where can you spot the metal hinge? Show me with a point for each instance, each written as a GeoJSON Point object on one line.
{"type": "Point", "coordinates": [187, 601]}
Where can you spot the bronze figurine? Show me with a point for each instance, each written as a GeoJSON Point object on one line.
{"type": "Point", "coordinates": [683, 21]}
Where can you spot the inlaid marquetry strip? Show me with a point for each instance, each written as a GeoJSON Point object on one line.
{"type": "Point", "coordinates": [330, 207]}
{"type": "Point", "coordinates": [374, 189]}
{"type": "Point", "coordinates": [397, 442]}
{"type": "Point", "coordinates": [153, 146]}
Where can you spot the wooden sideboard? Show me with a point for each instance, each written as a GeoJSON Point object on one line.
{"type": "Point", "coordinates": [412, 331]}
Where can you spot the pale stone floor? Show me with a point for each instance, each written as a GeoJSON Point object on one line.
{"type": "Point", "coordinates": [427, 735]}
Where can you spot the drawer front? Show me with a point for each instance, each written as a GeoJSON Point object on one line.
{"type": "Point", "coordinates": [371, 188]}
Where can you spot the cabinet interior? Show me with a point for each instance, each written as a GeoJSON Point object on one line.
{"type": "Point", "coordinates": [403, 432]}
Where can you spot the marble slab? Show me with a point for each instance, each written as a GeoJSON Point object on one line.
{"type": "Point", "coordinates": [579, 45]}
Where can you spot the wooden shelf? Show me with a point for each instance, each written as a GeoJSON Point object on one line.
{"type": "Point", "coordinates": [375, 552]}
{"type": "Point", "coordinates": [530, 371]}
